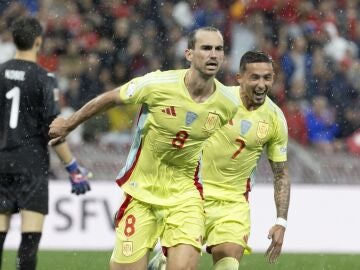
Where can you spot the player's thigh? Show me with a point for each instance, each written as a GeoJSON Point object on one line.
{"type": "Point", "coordinates": [184, 224]}
{"type": "Point", "coordinates": [33, 193]}
{"type": "Point", "coordinates": [182, 257]}
{"type": "Point", "coordinates": [8, 194]}
{"type": "Point", "coordinates": [31, 221]}
{"type": "Point", "coordinates": [139, 264]}
{"type": "Point", "coordinates": [227, 222]}
{"type": "Point", "coordinates": [137, 232]}
{"type": "Point", "coordinates": [4, 222]}
{"type": "Point", "coordinates": [183, 234]}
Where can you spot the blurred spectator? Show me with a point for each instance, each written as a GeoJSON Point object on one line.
{"type": "Point", "coordinates": [7, 47]}
{"type": "Point", "coordinates": [296, 62]}
{"type": "Point", "coordinates": [92, 45]}
{"type": "Point", "coordinates": [353, 143]}
{"type": "Point", "coordinates": [48, 58]}
{"type": "Point", "coordinates": [338, 47]}
{"type": "Point", "coordinates": [183, 14]}
{"type": "Point", "coordinates": [210, 13]}
{"type": "Point", "coordinates": [90, 86]}
{"type": "Point", "coordinates": [322, 128]}
{"type": "Point", "coordinates": [295, 118]}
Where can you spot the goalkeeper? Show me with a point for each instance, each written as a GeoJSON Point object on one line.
{"type": "Point", "coordinates": [28, 104]}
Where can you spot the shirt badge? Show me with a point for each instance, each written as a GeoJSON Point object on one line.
{"type": "Point", "coordinates": [190, 118]}
{"type": "Point", "coordinates": [211, 121]}
{"type": "Point", "coordinates": [262, 130]}
{"type": "Point", "coordinates": [245, 125]}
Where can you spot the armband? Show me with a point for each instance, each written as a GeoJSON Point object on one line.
{"type": "Point", "coordinates": [281, 221]}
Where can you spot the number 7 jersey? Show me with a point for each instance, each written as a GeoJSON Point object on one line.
{"type": "Point", "coordinates": [231, 155]}
{"type": "Point", "coordinates": [163, 165]}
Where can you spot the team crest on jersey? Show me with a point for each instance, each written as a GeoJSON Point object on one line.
{"type": "Point", "coordinates": [211, 121]}
{"type": "Point", "coordinates": [245, 125]}
{"type": "Point", "coordinates": [262, 130]}
{"type": "Point", "coordinates": [127, 248]}
{"type": "Point", "coordinates": [190, 118]}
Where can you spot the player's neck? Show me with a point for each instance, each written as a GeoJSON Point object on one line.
{"type": "Point", "coordinates": [28, 55]}
{"type": "Point", "coordinates": [200, 89]}
{"type": "Point", "coordinates": [248, 104]}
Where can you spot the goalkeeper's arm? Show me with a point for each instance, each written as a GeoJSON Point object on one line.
{"type": "Point", "coordinates": [78, 175]}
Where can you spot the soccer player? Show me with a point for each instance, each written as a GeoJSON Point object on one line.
{"type": "Point", "coordinates": [229, 165]}
{"type": "Point", "coordinates": [163, 194]}
{"type": "Point", "coordinates": [27, 107]}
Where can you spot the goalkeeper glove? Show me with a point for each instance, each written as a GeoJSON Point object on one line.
{"type": "Point", "coordinates": [78, 177]}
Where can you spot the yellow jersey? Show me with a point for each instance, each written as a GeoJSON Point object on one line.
{"type": "Point", "coordinates": [231, 155]}
{"type": "Point", "coordinates": [163, 164]}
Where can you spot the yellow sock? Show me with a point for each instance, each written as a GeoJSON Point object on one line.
{"type": "Point", "coordinates": [227, 263]}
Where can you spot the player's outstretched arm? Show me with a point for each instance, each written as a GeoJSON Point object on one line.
{"type": "Point", "coordinates": [282, 199]}
{"type": "Point", "coordinates": [61, 127]}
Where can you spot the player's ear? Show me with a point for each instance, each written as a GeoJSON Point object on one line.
{"type": "Point", "coordinates": [37, 44]}
{"type": "Point", "coordinates": [188, 54]}
{"type": "Point", "coordinates": [239, 78]}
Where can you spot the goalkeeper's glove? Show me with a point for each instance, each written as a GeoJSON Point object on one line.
{"type": "Point", "coordinates": [78, 177]}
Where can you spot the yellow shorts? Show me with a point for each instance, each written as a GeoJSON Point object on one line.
{"type": "Point", "coordinates": [139, 225]}
{"type": "Point", "coordinates": [227, 222]}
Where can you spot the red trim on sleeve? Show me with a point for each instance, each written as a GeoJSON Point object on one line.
{"type": "Point", "coordinates": [120, 181]}
{"type": "Point", "coordinates": [138, 117]}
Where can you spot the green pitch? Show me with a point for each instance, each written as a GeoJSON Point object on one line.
{"type": "Point", "coordinates": [98, 260]}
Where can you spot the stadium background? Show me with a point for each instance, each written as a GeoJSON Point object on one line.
{"type": "Point", "coordinates": [92, 46]}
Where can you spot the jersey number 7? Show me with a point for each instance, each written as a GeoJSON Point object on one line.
{"type": "Point", "coordinates": [241, 147]}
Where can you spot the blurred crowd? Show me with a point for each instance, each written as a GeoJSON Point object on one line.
{"type": "Point", "coordinates": [94, 46]}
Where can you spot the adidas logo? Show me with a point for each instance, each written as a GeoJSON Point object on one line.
{"type": "Point", "coordinates": [169, 110]}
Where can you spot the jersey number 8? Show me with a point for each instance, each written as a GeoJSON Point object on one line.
{"type": "Point", "coordinates": [180, 138]}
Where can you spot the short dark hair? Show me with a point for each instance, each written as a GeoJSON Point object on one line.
{"type": "Point", "coordinates": [24, 32]}
{"type": "Point", "coordinates": [254, 57]}
{"type": "Point", "coordinates": [192, 35]}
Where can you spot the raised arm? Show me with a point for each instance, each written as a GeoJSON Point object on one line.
{"type": "Point", "coordinates": [282, 200]}
{"type": "Point", "coordinates": [61, 127]}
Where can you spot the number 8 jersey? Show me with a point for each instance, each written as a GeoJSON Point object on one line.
{"type": "Point", "coordinates": [163, 166]}
{"type": "Point", "coordinates": [28, 104]}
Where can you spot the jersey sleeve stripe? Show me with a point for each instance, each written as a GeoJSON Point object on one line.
{"type": "Point", "coordinates": [135, 150]}
{"type": "Point", "coordinates": [126, 171]}
{"type": "Point", "coordinates": [157, 80]}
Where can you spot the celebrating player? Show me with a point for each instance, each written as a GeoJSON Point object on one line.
{"type": "Point", "coordinates": [27, 107]}
{"type": "Point", "coordinates": [163, 194]}
{"type": "Point", "coordinates": [229, 166]}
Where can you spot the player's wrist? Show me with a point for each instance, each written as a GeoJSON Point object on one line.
{"type": "Point", "coordinates": [72, 166]}
{"type": "Point", "coordinates": [281, 221]}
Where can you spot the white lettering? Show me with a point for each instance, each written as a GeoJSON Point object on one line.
{"type": "Point", "coordinates": [17, 75]}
